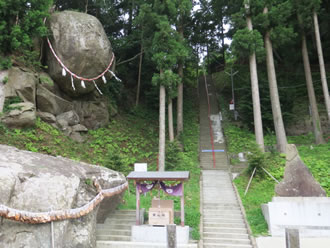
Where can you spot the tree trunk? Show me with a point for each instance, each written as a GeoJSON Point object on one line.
{"type": "Point", "coordinates": [179, 126]}
{"type": "Point", "coordinates": [170, 119]}
{"type": "Point", "coordinates": [139, 77]}
{"type": "Point", "coordinates": [161, 157]}
{"type": "Point", "coordinates": [180, 101]}
{"type": "Point", "coordinates": [130, 18]}
{"type": "Point", "coordinates": [86, 6]}
{"type": "Point", "coordinates": [255, 93]}
{"type": "Point", "coordinates": [274, 97]}
{"type": "Point", "coordinates": [223, 42]}
{"type": "Point", "coordinates": [321, 62]}
{"type": "Point", "coordinates": [311, 94]}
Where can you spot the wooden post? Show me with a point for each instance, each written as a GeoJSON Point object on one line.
{"type": "Point", "coordinates": [182, 206]}
{"type": "Point", "coordinates": [171, 236]}
{"type": "Point", "coordinates": [292, 238]}
{"type": "Point", "coordinates": [137, 205]}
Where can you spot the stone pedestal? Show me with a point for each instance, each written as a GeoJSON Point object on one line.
{"type": "Point", "coordinates": [311, 215]}
{"type": "Point", "coordinates": [157, 234]}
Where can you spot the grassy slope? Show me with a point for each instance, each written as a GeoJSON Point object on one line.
{"type": "Point", "coordinates": [186, 160]}
{"type": "Point", "coordinates": [317, 159]}
{"type": "Point", "coordinates": [131, 137]}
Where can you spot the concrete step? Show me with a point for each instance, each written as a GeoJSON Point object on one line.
{"type": "Point", "coordinates": [113, 237]}
{"type": "Point", "coordinates": [223, 225]}
{"type": "Point", "coordinates": [121, 216]}
{"type": "Point", "coordinates": [225, 235]}
{"type": "Point", "coordinates": [122, 244]}
{"type": "Point", "coordinates": [210, 245]}
{"type": "Point", "coordinates": [222, 211]}
{"type": "Point", "coordinates": [223, 220]}
{"type": "Point", "coordinates": [106, 231]}
{"type": "Point", "coordinates": [222, 206]}
{"type": "Point", "coordinates": [226, 241]}
{"type": "Point", "coordinates": [215, 216]}
{"type": "Point", "coordinates": [120, 221]}
{"type": "Point", "coordinates": [226, 230]}
{"type": "Point", "coordinates": [110, 226]}
{"type": "Point", "coordinates": [125, 211]}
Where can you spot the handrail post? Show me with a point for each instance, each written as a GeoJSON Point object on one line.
{"type": "Point", "coordinates": [292, 238]}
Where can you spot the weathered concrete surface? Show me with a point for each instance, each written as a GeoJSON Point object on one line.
{"type": "Point", "coordinates": [279, 242]}
{"type": "Point", "coordinates": [39, 183]}
{"type": "Point", "coordinates": [309, 214]}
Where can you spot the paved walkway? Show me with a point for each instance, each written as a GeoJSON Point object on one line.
{"type": "Point", "coordinates": [223, 224]}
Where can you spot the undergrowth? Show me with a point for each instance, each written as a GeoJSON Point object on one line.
{"type": "Point", "coordinates": [129, 138]}
{"type": "Point", "coordinates": [179, 160]}
{"type": "Point", "coordinates": [316, 158]}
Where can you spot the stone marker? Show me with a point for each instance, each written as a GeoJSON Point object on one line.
{"type": "Point", "coordinates": [298, 180]}
{"type": "Point", "coordinates": [171, 236]}
{"type": "Point", "coordinates": [292, 238]}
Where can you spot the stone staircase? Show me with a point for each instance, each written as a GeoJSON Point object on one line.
{"type": "Point", "coordinates": [117, 227]}
{"type": "Point", "coordinates": [223, 224]}
{"type": "Point", "coordinates": [116, 233]}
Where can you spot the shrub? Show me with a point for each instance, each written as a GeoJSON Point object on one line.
{"type": "Point", "coordinates": [20, 22]}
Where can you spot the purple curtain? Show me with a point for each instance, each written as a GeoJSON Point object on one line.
{"type": "Point", "coordinates": [174, 190]}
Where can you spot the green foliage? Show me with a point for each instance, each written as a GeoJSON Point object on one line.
{"type": "Point", "coordinates": [245, 42]}
{"type": "Point", "coordinates": [5, 63]}
{"type": "Point", "coordinates": [238, 139]}
{"type": "Point", "coordinates": [9, 101]}
{"type": "Point", "coordinates": [21, 21]}
{"type": "Point", "coordinates": [173, 155]}
{"type": "Point", "coordinates": [5, 80]}
{"type": "Point", "coordinates": [168, 79]}
{"type": "Point", "coordinates": [180, 159]}
{"type": "Point", "coordinates": [317, 159]}
{"type": "Point", "coordinates": [260, 192]}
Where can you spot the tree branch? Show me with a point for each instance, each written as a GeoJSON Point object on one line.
{"type": "Point", "coordinates": [128, 60]}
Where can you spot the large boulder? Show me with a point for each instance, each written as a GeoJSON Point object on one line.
{"type": "Point", "coordinates": [21, 115]}
{"type": "Point", "coordinates": [80, 42]}
{"type": "Point", "coordinates": [40, 183]}
{"type": "Point", "coordinates": [298, 180]}
{"type": "Point", "coordinates": [92, 114]}
{"type": "Point", "coordinates": [49, 102]}
{"type": "Point", "coordinates": [22, 83]}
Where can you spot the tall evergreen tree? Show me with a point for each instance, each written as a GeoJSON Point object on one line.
{"type": "Point", "coordinates": [276, 20]}
{"type": "Point", "coordinates": [165, 49]}
{"type": "Point", "coordinates": [302, 13]}
{"type": "Point", "coordinates": [321, 61]}
{"type": "Point", "coordinates": [184, 9]}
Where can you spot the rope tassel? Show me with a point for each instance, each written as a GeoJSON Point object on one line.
{"type": "Point", "coordinates": [97, 88]}
{"type": "Point", "coordinates": [114, 75]}
{"type": "Point", "coordinates": [83, 84]}
{"type": "Point", "coordinates": [72, 83]}
{"type": "Point", "coordinates": [104, 79]}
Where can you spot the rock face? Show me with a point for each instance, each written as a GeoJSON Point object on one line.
{"type": "Point", "coordinates": [22, 115]}
{"type": "Point", "coordinates": [80, 42]}
{"type": "Point", "coordinates": [21, 83]}
{"type": "Point", "coordinates": [50, 103]}
{"type": "Point", "coordinates": [3, 79]}
{"type": "Point", "coordinates": [298, 181]}
{"type": "Point", "coordinates": [92, 114]}
{"type": "Point", "coordinates": [40, 183]}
